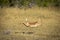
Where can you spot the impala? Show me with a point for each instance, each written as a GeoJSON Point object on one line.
{"type": "Point", "coordinates": [32, 24]}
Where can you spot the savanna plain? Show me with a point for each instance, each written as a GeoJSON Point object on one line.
{"type": "Point", "coordinates": [12, 27]}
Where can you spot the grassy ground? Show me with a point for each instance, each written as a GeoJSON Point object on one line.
{"type": "Point", "coordinates": [11, 27]}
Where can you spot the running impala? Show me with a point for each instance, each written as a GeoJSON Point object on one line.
{"type": "Point", "coordinates": [32, 24]}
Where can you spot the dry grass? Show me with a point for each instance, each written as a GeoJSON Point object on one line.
{"type": "Point", "coordinates": [11, 19]}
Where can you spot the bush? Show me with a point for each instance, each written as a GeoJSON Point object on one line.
{"type": "Point", "coordinates": [25, 3]}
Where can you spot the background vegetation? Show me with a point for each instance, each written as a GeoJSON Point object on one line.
{"type": "Point", "coordinates": [29, 3]}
